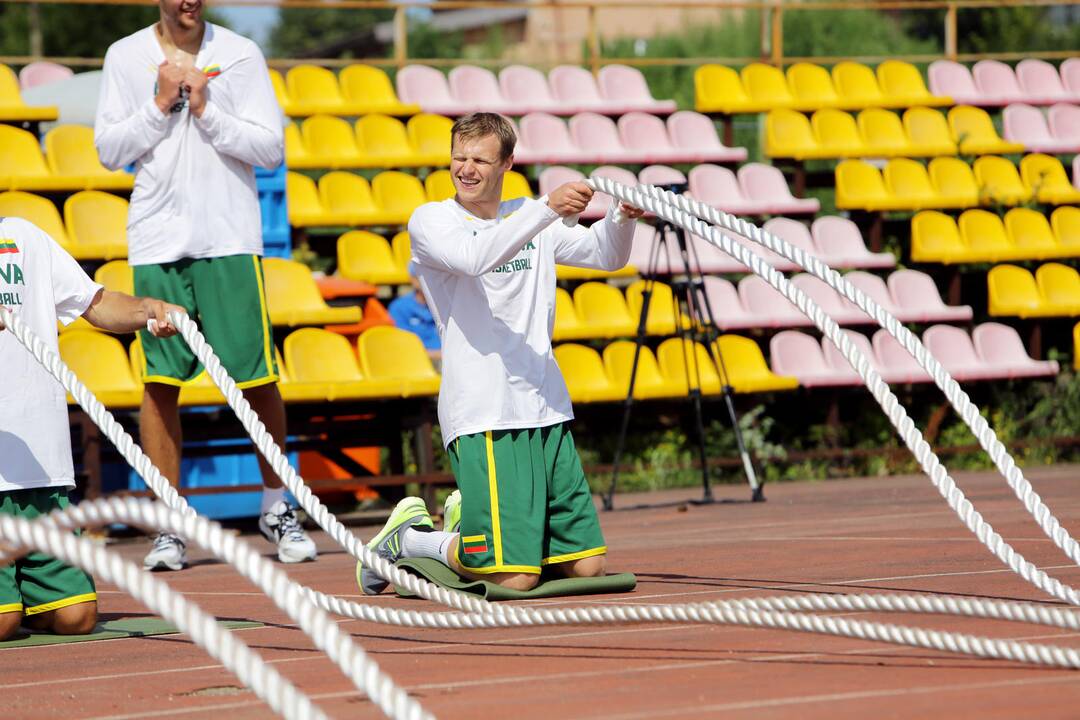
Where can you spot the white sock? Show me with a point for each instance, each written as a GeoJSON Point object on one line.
{"type": "Point", "coordinates": [271, 496]}
{"type": "Point", "coordinates": [434, 544]}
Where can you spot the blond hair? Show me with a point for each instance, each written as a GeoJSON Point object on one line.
{"type": "Point", "coordinates": [482, 124]}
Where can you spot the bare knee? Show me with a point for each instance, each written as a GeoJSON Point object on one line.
{"type": "Point", "coordinates": [9, 624]}
{"type": "Point", "coordinates": [517, 581]}
{"type": "Point", "coordinates": [78, 619]}
{"type": "Point", "coordinates": [594, 566]}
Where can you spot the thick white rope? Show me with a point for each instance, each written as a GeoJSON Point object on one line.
{"type": "Point", "coordinates": [752, 612]}
{"type": "Point", "coordinates": [23, 536]}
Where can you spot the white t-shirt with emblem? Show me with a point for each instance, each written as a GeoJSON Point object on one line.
{"type": "Point", "coordinates": [41, 284]}
{"type": "Point", "coordinates": [195, 193]}
{"type": "Point", "coordinates": [491, 288]}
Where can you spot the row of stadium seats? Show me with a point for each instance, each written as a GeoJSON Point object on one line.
{"type": "Point", "coordinates": [376, 141]}
{"type": "Point", "coordinates": [1058, 131]}
{"type": "Point", "coordinates": [992, 352]}
{"type": "Point", "coordinates": [852, 86]}
{"type": "Point", "coordinates": [70, 161]}
{"type": "Point", "coordinates": [358, 90]}
{"type": "Point", "coordinates": [908, 185]}
{"type": "Point", "coordinates": [924, 132]}
{"type": "Point", "coordinates": [981, 236]}
{"type": "Point", "coordinates": [993, 83]}
{"type": "Point", "coordinates": [94, 225]}
{"type": "Point", "coordinates": [319, 366]}
{"type": "Point", "coordinates": [12, 107]}
{"type": "Point", "coordinates": [1053, 291]}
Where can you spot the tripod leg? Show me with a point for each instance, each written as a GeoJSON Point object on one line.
{"type": "Point", "coordinates": [757, 493]}
{"type": "Point", "coordinates": [609, 497]}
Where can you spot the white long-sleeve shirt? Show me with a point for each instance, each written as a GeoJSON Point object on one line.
{"type": "Point", "coordinates": [491, 288]}
{"type": "Point", "coordinates": [195, 193]}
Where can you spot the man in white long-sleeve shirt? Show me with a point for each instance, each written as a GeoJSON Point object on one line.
{"type": "Point", "coordinates": [190, 103]}
{"type": "Point", "coordinates": [488, 270]}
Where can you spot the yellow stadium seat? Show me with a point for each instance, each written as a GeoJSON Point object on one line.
{"type": "Point", "coordinates": [974, 133]}
{"type": "Point", "coordinates": [718, 89]}
{"type": "Point", "coordinates": [515, 186]}
{"type": "Point", "coordinates": [97, 225]}
{"type": "Point", "coordinates": [566, 272]}
{"type": "Point", "coordinates": [363, 255]}
{"type": "Point", "coordinates": [383, 142]}
{"type": "Point", "coordinates": [70, 151]}
{"type": "Point", "coordinates": [602, 309]}
{"type": "Point", "coordinates": [314, 90]}
{"type": "Point", "coordinates": [1060, 288]}
{"type": "Point", "coordinates": [859, 187]}
{"type": "Point", "coordinates": [331, 142]}
{"type": "Point", "coordinates": [747, 371]}
{"type": "Point", "coordinates": [929, 130]}
{"type": "Point", "coordinates": [402, 247]}
{"type": "Point", "coordinates": [317, 356]}
{"type": "Point", "coordinates": [788, 134]}
{"type": "Point", "coordinates": [22, 164]}
{"type": "Point", "coordinates": [767, 86]}
{"type": "Point", "coordinates": [293, 391]}
{"type": "Point", "coordinates": [430, 136]}
{"type": "Point", "coordinates": [99, 361]}
{"type": "Point", "coordinates": [346, 199]}
{"type": "Point", "coordinates": [812, 87]}
{"type": "Point", "coordinates": [1076, 346]}
{"type": "Point", "coordinates": [907, 181]}
{"type": "Point", "coordinates": [685, 370]}
{"type": "Point", "coordinates": [648, 382]}
{"type": "Point", "coordinates": [999, 182]}
{"type": "Point", "coordinates": [584, 373]}
{"type": "Point", "coordinates": [1030, 232]}
{"type": "Point", "coordinates": [439, 186]}
{"type": "Point", "coordinates": [116, 275]}
{"type": "Point", "coordinates": [1066, 224]}
{"type": "Point", "coordinates": [936, 238]}
{"type": "Point", "coordinates": [390, 354]}
{"type": "Point", "coordinates": [838, 135]}
{"type": "Point", "coordinates": [294, 299]}
{"type": "Point", "coordinates": [305, 208]}
{"type": "Point", "coordinates": [297, 156]}
{"type": "Point", "coordinates": [277, 81]}
{"type": "Point", "coordinates": [370, 88]}
{"type": "Point", "coordinates": [1045, 177]}
{"type": "Point", "coordinates": [12, 107]}
{"type": "Point", "coordinates": [1012, 292]}
{"type": "Point", "coordinates": [37, 210]}
{"type": "Point", "coordinates": [954, 181]}
{"type": "Point", "coordinates": [568, 325]}
{"type": "Point", "coordinates": [903, 85]}
{"type": "Point", "coordinates": [984, 234]}
{"type": "Point", "coordinates": [664, 314]}
{"type": "Point", "coordinates": [883, 134]}
{"type": "Point", "coordinates": [397, 195]}
{"type": "Point", "coordinates": [857, 87]}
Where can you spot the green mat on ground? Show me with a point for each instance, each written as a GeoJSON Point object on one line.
{"type": "Point", "coordinates": [113, 629]}
{"type": "Point", "coordinates": [439, 574]}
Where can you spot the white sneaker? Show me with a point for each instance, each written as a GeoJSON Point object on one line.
{"type": "Point", "coordinates": [280, 526]}
{"type": "Point", "coordinates": [169, 553]}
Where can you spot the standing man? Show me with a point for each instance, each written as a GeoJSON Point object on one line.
{"type": "Point", "coordinates": [190, 103]}
{"type": "Point", "coordinates": [41, 284]}
{"type": "Point", "coordinates": [488, 271]}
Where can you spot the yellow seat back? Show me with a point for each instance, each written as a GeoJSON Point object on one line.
{"type": "Point", "coordinates": [717, 86]}
{"type": "Point", "coordinates": [35, 209]}
{"type": "Point", "coordinates": [289, 287]}
{"type": "Point", "coordinates": [402, 247]}
{"type": "Point", "coordinates": [926, 126]}
{"type": "Point", "coordinates": [907, 179]}
{"type": "Point", "coordinates": [116, 275]}
{"type": "Point", "coordinates": [439, 186]}
{"type": "Point", "coordinates": [935, 237]}
{"type": "Point", "coordinates": [515, 186]}
{"type": "Point", "coordinates": [69, 150]}
{"type": "Point", "coordinates": [317, 355]}
{"type": "Point", "coordinates": [327, 136]}
{"type": "Point", "coordinates": [811, 85]}
{"type": "Point", "coordinates": [972, 125]}
{"type": "Point", "coordinates": [367, 84]}
{"type": "Point", "coordinates": [96, 218]}
{"type": "Point", "coordinates": [20, 154]}
{"type": "Point", "coordinates": [342, 191]}
{"type": "Point", "coordinates": [363, 255]}
{"type": "Point", "coordinates": [1029, 229]}
{"type": "Point", "coordinates": [277, 81]}
{"type": "Point", "coordinates": [856, 85]}
{"type": "Point", "coordinates": [685, 369]}
{"type": "Point", "coordinates": [746, 367]}
{"type": "Point", "coordinates": [1041, 172]}
{"type": "Point", "coordinates": [883, 130]}
{"type": "Point", "coordinates": [313, 84]}
{"type": "Point", "coordinates": [601, 305]}
{"type": "Point", "coordinates": [296, 152]}
{"type": "Point", "coordinates": [899, 79]}
{"type": "Point", "coordinates": [9, 88]}
{"type": "Point", "coordinates": [98, 360]}
{"type": "Point", "coordinates": [837, 132]}
{"type": "Point", "coordinates": [983, 231]}
{"type": "Point", "coordinates": [567, 322]}
{"type": "Point", "coordinates": [395, 191]}
{"type": "Point", "coordinates": [648, 382]}
{"type": "Point", "coordinates": [953, 176]}
{"type": "Point", "coordinates": [998, 179]}
{"type": "Point", "coordinates": [430, 135]}
{"type": "Point", "coordinates": [583, 370]}
{"type": "Point", "coordinates": [1059, 284]}
{"type": "Point", "coordinates": [663, 308]}
{"type": "Point", "coordinates": [383, 135]}
{"type": "Point", "coordinates": [393, 354]}
{"type": "Point", "coordinates": [1012, 291]}
{"type": "Point", "coordinates": [766, 84]}
{"type": "Point", "coordinates": [1066, 224]}
{"type": "Point", "coordinates": [788, 134]}
{"type": "Point", "coordinates": [858, 183]}
{"type": "Point", "coordinates": [303, 198]}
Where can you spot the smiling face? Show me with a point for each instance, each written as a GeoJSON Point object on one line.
{"type": "Point", "coordinates": [477, 167]}
{"type": "Point", "coordinates": [182, 14]}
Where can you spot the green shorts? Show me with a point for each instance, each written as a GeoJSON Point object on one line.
{"type": "Point", "coordinates": [227, 297]}
{"type": "Point", "coordinates": [38, 583]}
{"type": "Point", "coordinates": [524, 501]}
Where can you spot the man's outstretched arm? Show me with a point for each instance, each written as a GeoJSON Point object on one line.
{"type": "Point", "coordinates": [120, 313]}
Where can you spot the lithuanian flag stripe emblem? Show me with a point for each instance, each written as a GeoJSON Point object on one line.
{"type": "Point", "coordinates": [212, 71]}
{"type": "Point", "coordinates": [7, 245]}
{"type": "Point", "coordinates": [474, 544]}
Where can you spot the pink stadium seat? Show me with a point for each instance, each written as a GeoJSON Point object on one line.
{"type": "Point", "coordinates": [695, 134]}
{"type": "Point", "coordinates": [600, 137]}
{"type": "Point", "coordinates": [42, 73]}
{"type": "Point", "coordinates": [843, 311]}
{"type": "Point", "coordinates": [728, 310]}
{"type": "Point", "coordinates": [767, 304]}
{"type": "Point", "coordinates": [527, 87]}
{"type": "Point", "coordinates": [916, 295]}
{"type": "Point", "coordinates": [545, 139]}
{"type": "Point", "coordinates": [575, 86]}
{"type": "Point", "coordinates": [718, 186]}
{"type": "Point", "coordinates": [703, 255]}
{"type": "Point", "coordinates": [795, 353]}
{"type": "Point", "coordinates": [555, 176]}
{"type": "Point", "coordinates": [777, 260]}
{"type": "Point", "coordinates": [896, 363]}
{"type": "Point", "coordinates": [765, 184]}
{"type": "Point", "coordinates": [1070, 75]}
{"type": "Point", "coordinates": [952, 347]}
{"type": "Point", "coordinates": [1039, 79]}
{"type": "Point", "coordinates": [601, 202]}
{"type": "Point", "coordinates": [427, 87]}
{"type": "Point", "coordinates": [954, 80]}
{"type": "Point", "coordinates": [661, 175]}
{"type": "Point", "coordinates": [836, 360]}
{"type": "Point", "coordinates": [646, 136]}
{"type": "Point", "coordinates": [1000, 347]}
{"type": "Point", "coordinates": [711, 259]}
{"type": "Point", "coordinates": [793, 231]}
{"type": "Point", "coordinates": [1064, 122]}
{"type": "Point", "coordinates": [875, 288]}
{"type": "Point", "coordinates": [478, 88]}
{"type": "Point", "coordinates": [840, 244]}
{"type": "Point", "coordinates": [626, 86]}
{"type": "Point", "coordinates": [1076, 172]}
{"type": "Point", "coordinates": [996, 80]}
{"type": "Point", "coordinates": [1026, 124]}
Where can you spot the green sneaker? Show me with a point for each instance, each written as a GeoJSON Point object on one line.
{"type": "Point", "coordinates": [409, 512]}
{"type": "Point", "coordinates": [451, 512]}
